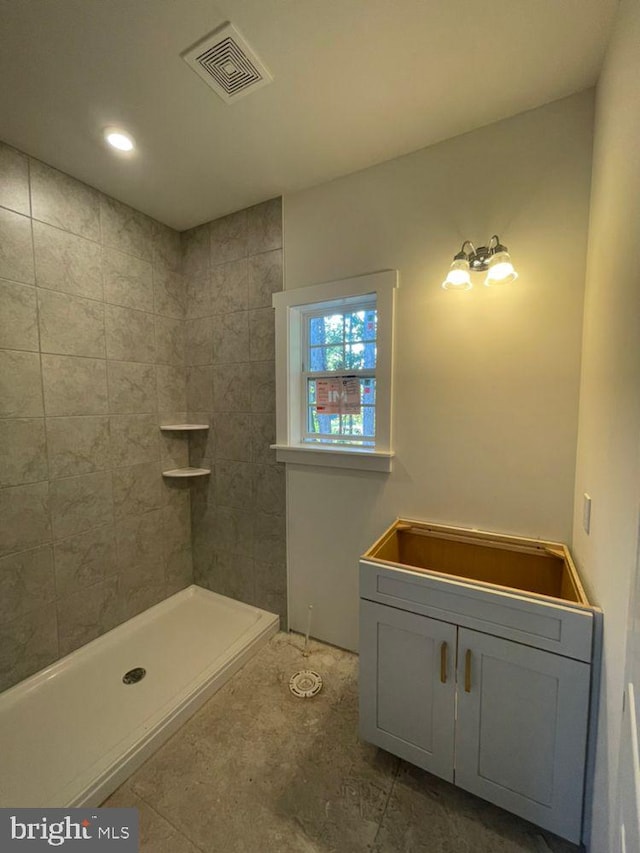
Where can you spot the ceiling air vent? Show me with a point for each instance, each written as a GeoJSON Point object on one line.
{"type": "Point", "coordinates": [225, 62]}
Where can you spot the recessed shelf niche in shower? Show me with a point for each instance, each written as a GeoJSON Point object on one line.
{"type": "Point", "coordinates": [187, 471]}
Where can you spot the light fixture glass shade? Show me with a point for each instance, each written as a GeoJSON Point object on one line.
{"type": "Point", "coordinates": [458, 277]}
{"type": "Point", "coordinates": [500, 270]}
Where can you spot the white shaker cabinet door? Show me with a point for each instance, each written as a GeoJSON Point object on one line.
{"type": "Point", "coordinates": [407, 686]}
{"type": "Point", "coordinates": [521, 730]}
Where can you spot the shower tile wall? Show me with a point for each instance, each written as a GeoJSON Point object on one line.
{"type": "Point", "coordinates": [92, 359]}
{"type": "Point", "coordinates": [232, 267]}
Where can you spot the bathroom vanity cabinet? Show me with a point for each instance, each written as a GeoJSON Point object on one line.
{"type": "Point", "coordinates": [476, 658]}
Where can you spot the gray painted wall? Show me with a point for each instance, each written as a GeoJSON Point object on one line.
{"type": "Point", "coordinates": [92, 307]}
{"type": "Point", "coordinates": [487, 381]}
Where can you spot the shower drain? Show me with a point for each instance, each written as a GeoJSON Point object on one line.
{"type": "Point", "coordinates": [305, 683]}
{"type": "Point", "coordinates": [134, 675]}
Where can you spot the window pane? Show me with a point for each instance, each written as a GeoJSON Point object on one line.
{"type": "Point", "coordinates": [326, 330]}
{"type": "Point", "coordinates": [316, 330]}
{"type": "Point", "coordinates": [334, 328]}
{"type": "Point", "coordinates": [354, 326]}
{"type": "Point", "coordinates": [368, 420]}
{"type": "Point", "coordinates": [311, 391]}
{"type": "Point", "coordinates": [360, 356]}
{"type": "Point", "coordinates": [352, 425]}
{"type": "Point", "coordinates": [355, 356]}
{"type": "Point", "coordinates": [326, 358]}
{"type": "Point", "coordinates": [360, 326]}
{"type": "Point", "coordinates": [368, 391]}
{"type": "Point", "coordinates": [317, 358]}
{"type": "Point", "coordinates": [323, 424]}
{"type": "Point", "coordinates": [370, 325]}
{"type": "Point", "coordinates": [370, 355]}
{"type": "Point", "coordinates": [359, 425]}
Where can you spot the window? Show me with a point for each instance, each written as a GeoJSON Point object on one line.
{"type": "Point", "coordinates": [339, 374]}
{"type": "Point", "coordinates": [334, 345]}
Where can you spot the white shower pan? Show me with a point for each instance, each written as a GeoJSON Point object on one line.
{"type": "Point", "coordinates": [71, 734]}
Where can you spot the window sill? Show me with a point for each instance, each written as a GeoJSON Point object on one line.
{"type": "Point", "coordinates": [362, 459]}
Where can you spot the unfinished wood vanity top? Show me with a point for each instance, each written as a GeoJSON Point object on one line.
{"type": "Point", "coordinates": [509, 562]}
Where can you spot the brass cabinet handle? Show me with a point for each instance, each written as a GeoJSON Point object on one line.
{"type": "Point", "coordinates": [443, 663]}
{"type": "Point", "coordinates": [467, 671]}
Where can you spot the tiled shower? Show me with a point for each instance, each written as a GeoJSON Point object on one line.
{"type": "Point", "coordinates": [106, 333]}
{"type": "Point", "coordinates": [232, 267]}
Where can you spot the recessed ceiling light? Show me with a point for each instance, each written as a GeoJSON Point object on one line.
{"type": "Point", "coordinates": [119, 139]}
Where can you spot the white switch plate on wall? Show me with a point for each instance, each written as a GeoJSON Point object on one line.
{"type": "Point", "coordinates": [586, 512]}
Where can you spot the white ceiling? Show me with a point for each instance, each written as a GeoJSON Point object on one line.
{"type": "Point", "coordinates": [356, 82]}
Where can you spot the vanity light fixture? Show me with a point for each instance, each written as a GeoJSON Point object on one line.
{"type": "Point", "coordinates": [493, 259]}
{"type": "Point", "coordinates": [119, 139]}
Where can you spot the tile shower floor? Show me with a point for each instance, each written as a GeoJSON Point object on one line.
{"type": "Point", "coordinates": [259, 770]}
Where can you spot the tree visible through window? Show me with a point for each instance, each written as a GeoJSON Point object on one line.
{"type": "Point", "coordinates": [339, 374]}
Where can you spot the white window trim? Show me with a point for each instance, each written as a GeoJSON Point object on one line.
{"type": "Point", "coordinates": [289, 305]}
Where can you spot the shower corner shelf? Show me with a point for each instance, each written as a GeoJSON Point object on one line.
{"type": "Point", "coordinates": [187, 472]}
{"type": "Point", "coordinates": [183, 427]}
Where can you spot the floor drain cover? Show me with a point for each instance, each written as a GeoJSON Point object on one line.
{"type": "Point", "coordinates": [305, 683]}
{"type": "Point", "coordinates": [134, 675]}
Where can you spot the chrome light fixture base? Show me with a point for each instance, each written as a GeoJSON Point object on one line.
{"type": "Point", "coordinates": [479, 259]}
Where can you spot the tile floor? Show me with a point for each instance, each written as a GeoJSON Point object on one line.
{"type": "Point", "coordinates": [257, 770]}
